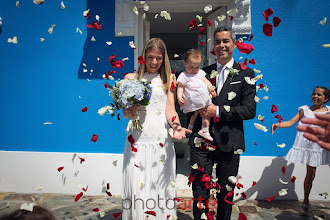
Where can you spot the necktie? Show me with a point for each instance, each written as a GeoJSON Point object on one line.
{"type": "Point", "coordinates": [221, 78]}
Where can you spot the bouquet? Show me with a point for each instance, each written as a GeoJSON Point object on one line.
{"type": "Point", "coordinates": [127, 92]}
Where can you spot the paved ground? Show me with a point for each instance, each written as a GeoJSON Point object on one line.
{"type": "Point", "coordinates": [64, 207]}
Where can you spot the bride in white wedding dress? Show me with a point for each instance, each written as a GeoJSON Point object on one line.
{"type": "Point", "coordinates": [149, 171]}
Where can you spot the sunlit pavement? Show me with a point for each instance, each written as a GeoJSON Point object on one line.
{"type": "Point", "coordinates": [63, 206]}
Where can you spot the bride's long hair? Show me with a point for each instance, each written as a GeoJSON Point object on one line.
{"type": "Point", "coordinates": [165, 69]}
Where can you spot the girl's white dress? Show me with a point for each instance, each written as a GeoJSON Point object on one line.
{"type": "Point", "coordinates": [149, 173]}
{"type": "Point", "coordinates": [195, 93]}
{"type": "Point", "coordinates": [305, 151]}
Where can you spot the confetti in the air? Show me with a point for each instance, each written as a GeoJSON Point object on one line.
{"type": "Point", "coordinates": [207, 9]}
{"type": "Point", "coordinates": [323, 21]}
{"type": "Point", "coordinates": [50, 30]}
{"type": "Point", "coordinates": [62, 5]}
{"type": "Point", "coordinates": [13, 40]}
{"type": "Point", "coordinates": [38, 2]}
{"type": "Point", "coordinates": [260, 127]}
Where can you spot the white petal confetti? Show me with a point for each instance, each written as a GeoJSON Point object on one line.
{"type": "Point", "coordinates": [165, 15]}
{"type": "Point", "coordinates": [48, 123]}
{"type": "Point", "coordinates": [131, 44]}
{"type": "Point", "coordinates": [266, 88]}
{"type": "Point", "coordinates": [13, 40]}
{"type": "Point", "coordinates": [281, 181]}
{"type": "Point", "coordinates": [27, 206]}
{"type": "Point", "coordinates": [323, 21]}
{"type": "Point", "coordinates": [97, 17]}
{"type": "Point", "coordinates": [232, 12]}
{"type": "Point", "coordinates": [227, 108]}
{"type": "Point", "coordinates": [144, 16]}
{"type": "Point", "coordinates": [38, 2]}
{"type": "Point", "coordinates": [38, 188]}
{"type": "Point", "coordinates": [175, 55]}
{"type": "Point", "coordinates": [283, 192]}
{"type": "Point", "coordinates": [145, 7]}
{"type": "Point", "coordinates": [241, 58]}
{"type": "Point", "coordinates": [260, 127]}
{"type": "Point", "coordinates": [250, 81]}
{"type": "Point", "coordinates": [231, 95]}
{"type": "Point", "coordinates": [214, 166]}
{"type": "Point", "coordinates": [135, 10]}
{"type": "Point", "coordinates": [259, 76]}
{"type": "Point", "coordinates": [173, 182]}
{"type": "Point", "coordinates": [88, 80]}
{"type": "Point", "coordinates": [195, 166]}
{"type": "Point", "coordinates": [108, 42]}
{"type": "Point", "coordinates": [229, 188]}
{"type": "Point", "coordinates": [203, 216]}
{"type": "Point", "coordinates": [171, 132]}
{"type": "Point", "coordinates": [102, 214]}
{"type": "Point", "coordinates": [103, 110]}
{"type": "Point", "coordinates": [62, 5]}
{"type": "Point", "coordinates": [207, 9]}
{"type": "Point", "coordinates": [17, 4]}
{"type": "Point", "coordinates": [260, 117]}
{"type": "Point", "coordinates": [97, 58]}
{"type": "Point", "coordinates": [93, 38]}
{"type": "Point", "coordinates": [78, 30]}
{"type": "Point", "coordinates": [221, 18]}
{"type": "Point", "coordinates": [232, 179]}
{"type": "Point", "coordinates": [85, 70]}
{"type": "Point", "coordinates": [125, 58]}
{"type": "Point", "coordinates": [85, 13]}
{"type": "Point", "coordinates": [257, 71]}
{"type": "Point", "coordinates": [84, 64]}
{"type": "Point", "coordinates": [50, 30]}
{"type": "Point", "coordinates": [265, 97]}
{"type": "Point", "coordinates": [256, 99]}
{"type": "Point", "coordinates": [198, 141]}
{"type": "Point", "coordinates": [326, 45]}
{"type": "Point", "coordinates": [281, 145]}
{"type": "Point", "coordinates": [42, 39]}
{"type": "Point", "coordinates": [156, 15]}
{"type": "Point", "coordinates": [238, 151]}
{"type": "Point", "coordinates": [200, 18]}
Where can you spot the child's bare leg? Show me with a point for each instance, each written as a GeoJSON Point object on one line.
{"type": "Point", "coordinates": [192, 120]}
{"type": "Point", "coordinates": [205, 131]}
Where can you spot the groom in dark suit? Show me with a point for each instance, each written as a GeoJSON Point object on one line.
{"type": "Point", "coordinates": [233, 104]}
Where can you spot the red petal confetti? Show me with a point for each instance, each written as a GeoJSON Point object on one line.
{"type": "Point", "coordinates": [201, 169]}
{"type": "Point", "coordinates": [267, 13]}
{"type": "Point", "coordinates": [108, 193]}
{"type": "Point", "coordinates": [201, 43]}
{"type": "Point", "coordinates": [89, 26]}
{"type": "Point", "coordinates": [108, 185]}
{"type": "Point", "coordinates": [267, 29]}
{"type": "Point", "coordinates": [274, 109]}
{"type": "Point", "coordinates": [239, 185]}
{"type": "Point", "coordinates": [84, 109]}
{"type": "Point", "coordinates": [173, 118]}
{"type": "Point", "coordinates": [118, 117]}
{"type": "Point", "coordinates": [245, 62]}
{"type": "Point", "coordinates": [243, 195]}
{"type": "Point", "coordinates": [202, 30]}
{"type": "Point", "coordinates": [255, 143]}
{"type": "Point", "coordinates": [130, 139]}
{"type": "Point", "coordinates": [276, 21]}
{"type": "Point", "coordinates": [87, 15]}
{"type": "Point", "coordinates": [106, 85]}
{"type": "Point", "coordinates": [190, 179]}
{"type": "Point", "coordinates": [293, 179]}
{"type": "Point", "coordinates": [215, 118]}
{"type": "Point", "coordinates": [205, 178]}
{"type": "Point", "coordinates": [209, 22]}
{"type": "Point", "coordinates": [78, 196]}
{"type": "Point", "coordinates": [160, 144]}
{"type": "Point", "coordinates": [97, 25]}
{"type": "Point", "coordinates": [81, 160]}
{"type": "Point", "coordinates": [271, 198]}
{"type": "Point", "coordinates": [173, 85]}
{"type": "Point", "coordinates": [60, 169]}
{"type": "Point", "coordinates": [125, 73]}
{"type": "Point", "coordinates": [241, 65]}
{"type": "Point", "coordinates": [213, 52]}
{"type": "Point", "coordinates": [254, 183]}
{"type": "Point", "coordinates": [244, 47]}
{"type": "Point", "coordinates": [241, 216]}
{"type": "Point", "coordinates": [94, 138]}
{"type": "Point", "coordinates": [283, 169]}
{"type": "Point", "coordinates": [114, 63]}
{"type": "Point", "coordinates": [230, 194]}
{"type": "Point", "coordinates": [136, 165]}
{"type": "Point", "coordinates": [193, 24]}
{"type": "Point", "coordinates": [213, 82]}
{"type": "Point", "coordinates": [96, 210]}
{"type": "Point", "coordinates": [261, 85]}
{"type": "Point", "coordinates": [231, 18]}
{"type": "Point", "coordinates": [168, 216]}
{"type": "Point", "coordinates": [85, 189]}
{"type": "Point", "coordinates": [252, 61]}
{"type": "Point", "coordinates": [280, 119]}
{"type": "Point", "coordinates": [116, 215]}
{"type": "Point", "coordinates": [150, 213]}
{"type": "Point", "coordinates": [210, 215]}
{"type": "Point", "coordinates": [250, 38]}
{"type": "Point", "coordinates": [141, 60]}
{"type": "Point", "coordinates": [134, 149]}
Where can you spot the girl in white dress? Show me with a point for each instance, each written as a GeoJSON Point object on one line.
{"type": "Point", "coordinates": [304, 151]}
{"type": "Point", "coordinates": [194, 90]}
{"type": "Point", "coordinates": [149, 169]}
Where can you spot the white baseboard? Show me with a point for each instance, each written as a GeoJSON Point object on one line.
{"type": "Point", "coordinates": [21, 172]}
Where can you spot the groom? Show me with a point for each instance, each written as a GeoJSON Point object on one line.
{"type": "Point", "coordinates": [233, 104]}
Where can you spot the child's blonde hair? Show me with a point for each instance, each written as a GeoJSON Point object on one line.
{"type": "Point", "coordinates": [195, 53]}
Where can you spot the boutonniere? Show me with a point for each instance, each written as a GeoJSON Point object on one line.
{"type": "Point", "coordinates": [213, 76]}
{"type": "Point", "coordinates": [233, 72]}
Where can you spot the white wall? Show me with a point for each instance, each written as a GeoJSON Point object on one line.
{"type": "Point", "coordinates": [21, 172]}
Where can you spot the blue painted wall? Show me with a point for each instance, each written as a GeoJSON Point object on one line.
{"type": "Point", "coordinates": [42, 81]}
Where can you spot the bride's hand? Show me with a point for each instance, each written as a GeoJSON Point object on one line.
{"type": "Point", "coordinates": [180, 133]}
{"type": "Point", "coordinates": [129, 112]}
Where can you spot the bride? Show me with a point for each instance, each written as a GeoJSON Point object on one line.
{"type": "Point", "coordinates": [149, 156]}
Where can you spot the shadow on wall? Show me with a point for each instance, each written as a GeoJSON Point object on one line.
{"type": "Point", "coordinates": [101, 44]}
{"type": "Point", "coordinates": [269, 184]}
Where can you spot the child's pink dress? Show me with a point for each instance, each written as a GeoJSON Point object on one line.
{"type": "Point", "coordinates": [195, 93]}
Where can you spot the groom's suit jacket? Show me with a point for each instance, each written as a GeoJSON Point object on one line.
{"type": "Point", "coordinates": [229, 131]}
